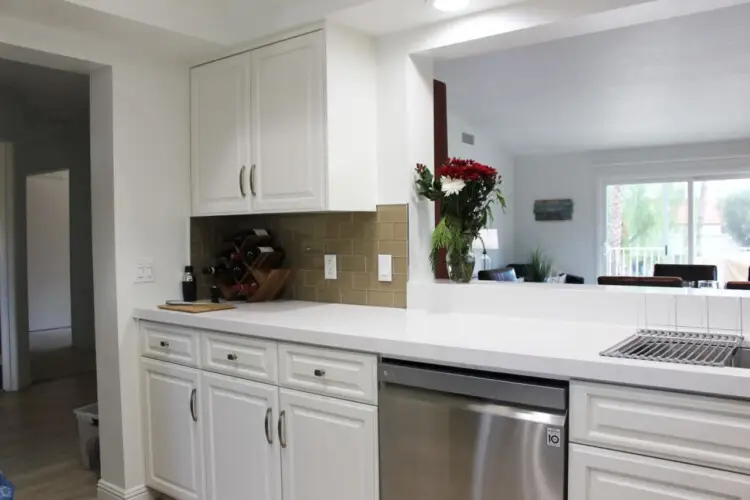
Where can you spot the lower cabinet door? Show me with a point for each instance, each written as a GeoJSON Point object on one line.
{"type": "Point", "coordinates": [173, 438]}
{"type": "Point", "coordinates": [597, 474]}
{"type": "Point", "coordinates": [242, 446]}
{"type": "Point", "coordinates": [329, 448]}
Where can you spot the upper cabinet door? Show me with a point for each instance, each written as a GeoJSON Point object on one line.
{"type": "Point", "coordinates": [174, 441]}
{"type": "Point", "coordinates": [242, 449]}
{"type": "Point", "coordinates": [220, 137]}
{"type": "Point", "coordinates": [329, 448]}
{"type": "Point", "coordinates": [289, 129]}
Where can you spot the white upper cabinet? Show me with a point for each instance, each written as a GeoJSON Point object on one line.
{"type": "Point", "coordinates": [299, 115]}
{"type": "Point", "coordinates": [219, 128]}
{"type": "Point", "coordinates": [289, 125]}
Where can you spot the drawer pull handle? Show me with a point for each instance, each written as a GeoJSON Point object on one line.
{"type": "Point", "coordinates": [232, 357]}
{"type": "Point", "coordinates": [269, 431]}
{"type": "Point", "coordinates": [193, 394]}
{"type": "Point", "coordinates": [282, 428]}
{"type": "Point", "coordinates": [164, 343]}
{"type": "Point", "coordinates": [320, 373]}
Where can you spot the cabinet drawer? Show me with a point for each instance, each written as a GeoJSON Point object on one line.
{"type": "Point", "coordinates": [170, 343]}
{"type": "Point", "coordinates": [330, 372]}
{"type": "Point", "coordinates": [705, 431]}
{"type": "Point", "coordinates": [596, 474]}
{"type": "Point", "coordinates": [243, 357]}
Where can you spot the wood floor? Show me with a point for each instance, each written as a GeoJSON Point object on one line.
{"type": "Point", "coordinates": [39, 440]}
{"type": "Point", "coordinates": [53, 356]}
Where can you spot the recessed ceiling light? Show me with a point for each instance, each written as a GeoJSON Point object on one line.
{"type": "Point", "coordinates": [450, 5]}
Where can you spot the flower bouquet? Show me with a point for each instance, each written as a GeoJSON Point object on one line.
{"type": "Point", "coordinates": [466, 190]}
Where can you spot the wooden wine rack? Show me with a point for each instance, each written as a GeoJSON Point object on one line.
{"type": "Point", "coordinates": [264, 271]}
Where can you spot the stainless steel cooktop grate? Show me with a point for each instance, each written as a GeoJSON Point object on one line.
{"type": "Point", "coordinates": [677, 347]}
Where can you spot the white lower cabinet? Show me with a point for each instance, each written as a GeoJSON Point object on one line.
{"type": "Point", "coordinates": [329, 448]}
{"type": "Point", "coordinates": [211, 436]}
{"type": "Point", "coordinates": [242, 450]}
{"type": "Point", "coordinates": [174, 440]}
{"type": "Point", "coordinates": [598, 474]}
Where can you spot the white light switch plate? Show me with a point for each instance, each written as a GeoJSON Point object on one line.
{"type": "Point", "coordinates": [330, 267]}
{"type": "Point", "coordinates": [144, 271]}
{"type": "Point", "coordinates": [385, 268]}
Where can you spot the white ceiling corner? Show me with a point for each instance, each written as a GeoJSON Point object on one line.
{"type": "Point", "coordinates": [675, 81]}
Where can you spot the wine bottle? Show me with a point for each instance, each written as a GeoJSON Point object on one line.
{"type": "Point", "coordinates": [236, 271]}
{"type": "Point", "coordinates": [259, 236]}
{"type": "Point", "coordinates": [230, 255]}
{"type": "Point", "coordinates": [245, 289]}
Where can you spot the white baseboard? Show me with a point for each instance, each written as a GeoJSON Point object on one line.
{"type": "Point", "coordinates": [108, 491]}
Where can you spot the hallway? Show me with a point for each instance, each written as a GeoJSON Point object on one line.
{"type": "Point", "coordinates": [54, 357]}
{"type": "Point", "coordinates": [39, 440]}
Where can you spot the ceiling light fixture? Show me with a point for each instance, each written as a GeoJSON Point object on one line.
{"type": "Point", "coordinates": [450, 5]}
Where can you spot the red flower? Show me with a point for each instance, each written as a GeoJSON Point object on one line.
{"type": "Point", "coordinates": [467, 170]}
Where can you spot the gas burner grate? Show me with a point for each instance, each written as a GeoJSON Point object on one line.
{"type": "Point", "coordinates": [690, 348]}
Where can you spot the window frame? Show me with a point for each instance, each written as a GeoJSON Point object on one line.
{"type": "Point", "coordinates": [689, 171]}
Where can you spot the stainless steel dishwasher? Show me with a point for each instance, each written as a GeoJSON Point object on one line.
{"type": "Point", "coordinates": [453, 434]}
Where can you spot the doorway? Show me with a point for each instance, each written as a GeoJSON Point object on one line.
{"type": "Point", "coordinates": [53, 354]}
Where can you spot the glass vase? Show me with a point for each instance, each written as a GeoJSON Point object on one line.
{"type": "Point", "coordinates": [461, 266]}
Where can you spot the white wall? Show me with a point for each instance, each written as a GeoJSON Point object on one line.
{"type": "Point", "coordinates": [405, 76]}
{"type": "Point", "coordinates": [140, 206]}
{"type": "Point", "coordinates": [573, 245]}
{"type": "Point", "coordinates": [48, 250]}
{"type": "Point", "coordinates": [485, 150]}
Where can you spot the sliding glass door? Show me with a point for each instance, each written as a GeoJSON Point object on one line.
{"type": "Point", "coordinates": [722, 226]}
{"type": "Point", "coordinates": [690, 221]}
{"type": "Point", "coordinates": [646, 224]}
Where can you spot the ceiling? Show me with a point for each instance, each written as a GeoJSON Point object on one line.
{"type": "Point", "coordinates": [668, 82]}
{"type": "Point", "coordinates": [380, 17]}
{"type": "Point", "coordinates": [59, 95]}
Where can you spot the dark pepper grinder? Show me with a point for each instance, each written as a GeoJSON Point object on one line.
{"type": "Point", "coordinates": [189, 286]}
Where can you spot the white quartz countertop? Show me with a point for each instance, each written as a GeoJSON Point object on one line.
{"type": "Point", "coordinates": [560, 350]}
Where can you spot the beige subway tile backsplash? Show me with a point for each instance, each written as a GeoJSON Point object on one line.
{"type": "Point", "coordinates": [355, 238]}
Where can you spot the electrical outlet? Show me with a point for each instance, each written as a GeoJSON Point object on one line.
{"type": "Point", "coordinates": [329, 264]}
{"type": "Point", "coordinates": [385, 268]}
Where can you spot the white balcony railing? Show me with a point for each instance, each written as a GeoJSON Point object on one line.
{"type": "Point", "coordinates": [639, 261]}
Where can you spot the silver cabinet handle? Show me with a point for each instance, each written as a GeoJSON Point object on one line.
{"type": "Point", "coordinates": [193, 395]}
{"type": "Point", "coordinates": [232, 357]}
{"type": "Point", "coordinates": [252, 180]}
{"type": "Point", "coordinates": [242, 181]}
{"type": "Point", "coordinates": [164, 343]}
{"type": "Point", "coordinates": [320, 373]}
{"type": "Point", "coordinates": [269, 432]}
{"type": "Point", "coordinates": [282, 428]}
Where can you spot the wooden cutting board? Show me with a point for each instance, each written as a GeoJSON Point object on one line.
{"type": "Point", "coordinates": [198, 308]}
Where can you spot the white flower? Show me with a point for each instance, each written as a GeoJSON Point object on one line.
{"type": "Point", "coordinates": [452, 186]}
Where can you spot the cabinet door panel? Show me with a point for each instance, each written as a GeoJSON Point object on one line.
{"type": "Point", "coordinates": [331, 448]}
{"type": "Point", "coordinates": [220, 116]}
{"type": "Point", "coordinates": [174, 442]}
{"type": "Point", "coordinates": [289, 125]}
{"type": "Point", "coordinates": [597, 474]}
{"type": "Point", "coordinates": [239, 420]}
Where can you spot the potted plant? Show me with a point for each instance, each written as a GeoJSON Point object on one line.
{"type": "Point", "coordinates": [466, 190]}
{"type": "Point", "coordinates": [540, 267]}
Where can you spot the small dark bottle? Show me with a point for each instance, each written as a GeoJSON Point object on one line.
{"type": "Point", "coordinates": [189, 286]}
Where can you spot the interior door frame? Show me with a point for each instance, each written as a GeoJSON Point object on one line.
{"type": "Point", "coordinates": [8, 326]}
{"type": "Point", "coordinates": [688, 171]}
